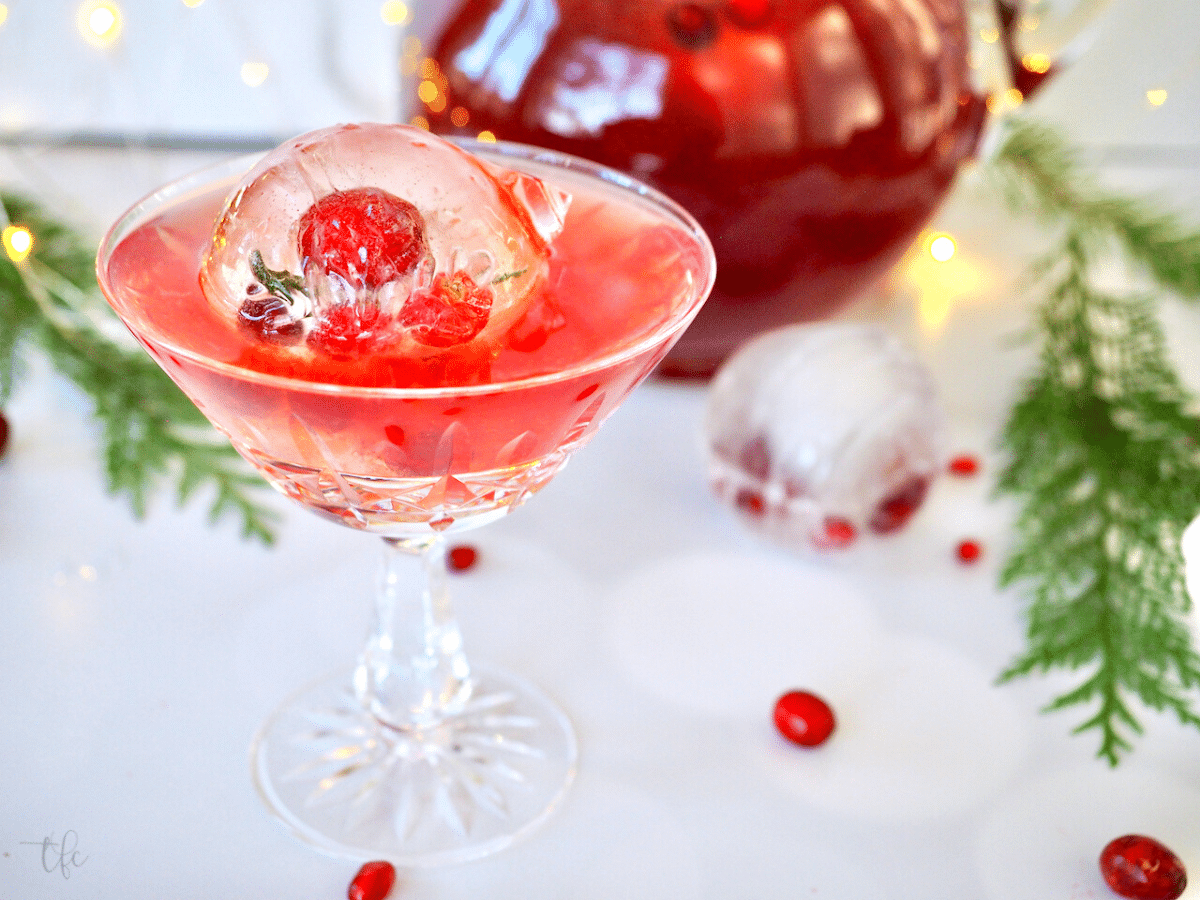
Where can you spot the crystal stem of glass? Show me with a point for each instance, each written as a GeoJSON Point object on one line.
{"type": "Point", "coordinates": [413, 671]}
{"type": "Point", "coordinates": [415, 756]}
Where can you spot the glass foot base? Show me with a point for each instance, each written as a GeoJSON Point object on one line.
{"type": "Point", "coordinates": [471, 785]}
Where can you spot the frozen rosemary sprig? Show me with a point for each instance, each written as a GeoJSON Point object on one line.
{"type": "Point", "coordinates": [1104, 455]}
{"type": "Point", "coordinates": [150, 431]}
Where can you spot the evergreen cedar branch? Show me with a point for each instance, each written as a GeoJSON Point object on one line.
{"type": "Point", "coordinates": [150, 431]}
{"type": "Point", "coordinates": [1104, 455]}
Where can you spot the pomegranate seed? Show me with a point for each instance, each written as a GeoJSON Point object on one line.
{"type": "Point", "coordinates": [964, 465]}
{"type": "Point", "coordinates": [269, 318]}
{"type": "Point", "coordinates": [969, 551]}
{"type": "Point", "coordinates": [373, 882]}
{"type": "Point", "coordinates": [1141, 868]}
{"type": "Point", "coordinates": [462, 557]}
{"type": "Point", "coordinates": [804, 718]}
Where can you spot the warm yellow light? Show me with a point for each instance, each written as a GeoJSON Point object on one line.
{"type": "Point", "coordinates": [3, 13]}
{"type": "Point", "coordinates": [941, 285]}
{"type": "Point", "coordinates": [419, 122]}
{"type": "Point", "coordinates": [942, 247]}
{"type": "Point", "coordinates": [437, 104]}
{"type": "Point", "coordinates": [18, 241]}
{"type": "Point", "coordinates": [99, 21]}
{"type": "Point", "coordinates": [459, 117]}
{"type": "Point", "coordinates": [192, 4]}
{"type": "Point", "coordinates": [989, 35]}
{"type": "Point", "coordinates": [102, 20]}
{"type": "Point", "coordinates": [393, 12]}
{"type": "Point", "coordinates": [1157, 96]}
{"type": "Point", "coordinates": [1030, 23]}
{"type": "Point", "coordinates": [429, 67]}
{"type": "Point", "coordinates": [999, 104]}
{"type": "Point", "coordinates": [427, 91]}
{"type": "Point", "coordinates": [255, 73]}
{"type": "Point", "coordinates": [1036, 62]}
{"type": "Point", "coordinates": [486, 136]}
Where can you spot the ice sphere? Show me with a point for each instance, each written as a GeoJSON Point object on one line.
{"type": "Point", "coordinates": [818, 434]}
{"type": "Point", "coordinates": [363, 235]}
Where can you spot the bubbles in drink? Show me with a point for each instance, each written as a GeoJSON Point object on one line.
{"type": "Point", "coordinates": [359, 237]}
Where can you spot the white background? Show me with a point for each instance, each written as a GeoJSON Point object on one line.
{"type": "Point", "coordinates": [137, 658]}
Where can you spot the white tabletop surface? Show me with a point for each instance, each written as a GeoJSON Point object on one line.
{"type": "Point", "coordinates": [137, 658]}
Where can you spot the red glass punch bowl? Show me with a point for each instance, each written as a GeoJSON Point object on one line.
{"type": "Point", "coordinates": [812, 139]}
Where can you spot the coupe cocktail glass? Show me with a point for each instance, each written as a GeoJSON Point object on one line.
{"type": "Point", "coordinates": [415, 753]}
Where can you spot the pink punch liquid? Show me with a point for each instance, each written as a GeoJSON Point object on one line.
{"type": "Point", "coordinates": [400, 445]}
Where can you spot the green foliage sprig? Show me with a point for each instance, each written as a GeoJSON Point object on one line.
{"type": "Point", "coordinates": [1104, 454]}
{"type": "Point", "coordinates": [150, 431]}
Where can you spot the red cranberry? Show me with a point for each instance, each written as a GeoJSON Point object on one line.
{"type": "Point", "coordinates": [804, 718]}
{"type": "Point", "coordinates": [462, 557]}
{"type": "Point", "coordinates": [1141, 868]}
{"type": "Point", "coordinates": [3, 433]}
{"type": "Point", "coordinates": [969, 551]}
{"type": "Point", "coordinates": [964, 464]}
{"type": "Point", "coordinates": [373, 882]}
{"type": "Point", "coordinates": [897, 508]}
{"type": "Point", "coordinates": [751, 502]}
{"type": "Point", "coordinates": [365, 235]}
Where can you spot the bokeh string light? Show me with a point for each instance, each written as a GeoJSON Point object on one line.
{"type": "Point", "coordinates": [18, 242]}
{"type": "Point", "coordinates": [100, 22]}
{"type": "Point", "coordinates": [394, 12]}
{"type": "Point", "coordinates": [254, 73]}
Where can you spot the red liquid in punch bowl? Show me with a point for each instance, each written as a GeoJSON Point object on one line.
{"type": "Point", "coordinates": [811, 139]}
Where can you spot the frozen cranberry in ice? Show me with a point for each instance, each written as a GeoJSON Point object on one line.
{"type": "Point", "coordinates": [380, 238]}
{"type": "Point", "coordinates": [364, 235]}
{"type": "Point", "coordinates": [834, 431]}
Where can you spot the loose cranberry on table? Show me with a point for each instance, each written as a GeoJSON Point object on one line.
{"type": "Point", "coordinates": [963, 465]}
{"type": "Point", "coordinates": [804, 718]}
{"type": "Point", "coordinates": [968, 551]}
{"type": "Point", "coordinates": [1141, 868]}
{"type": "Point", "coordinates": [373, 882]}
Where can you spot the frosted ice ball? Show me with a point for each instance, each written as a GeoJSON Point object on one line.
{"type": "Point", "coordinates": [819, 434]}
{"type": "Point", "coordinates": [381, 233]}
